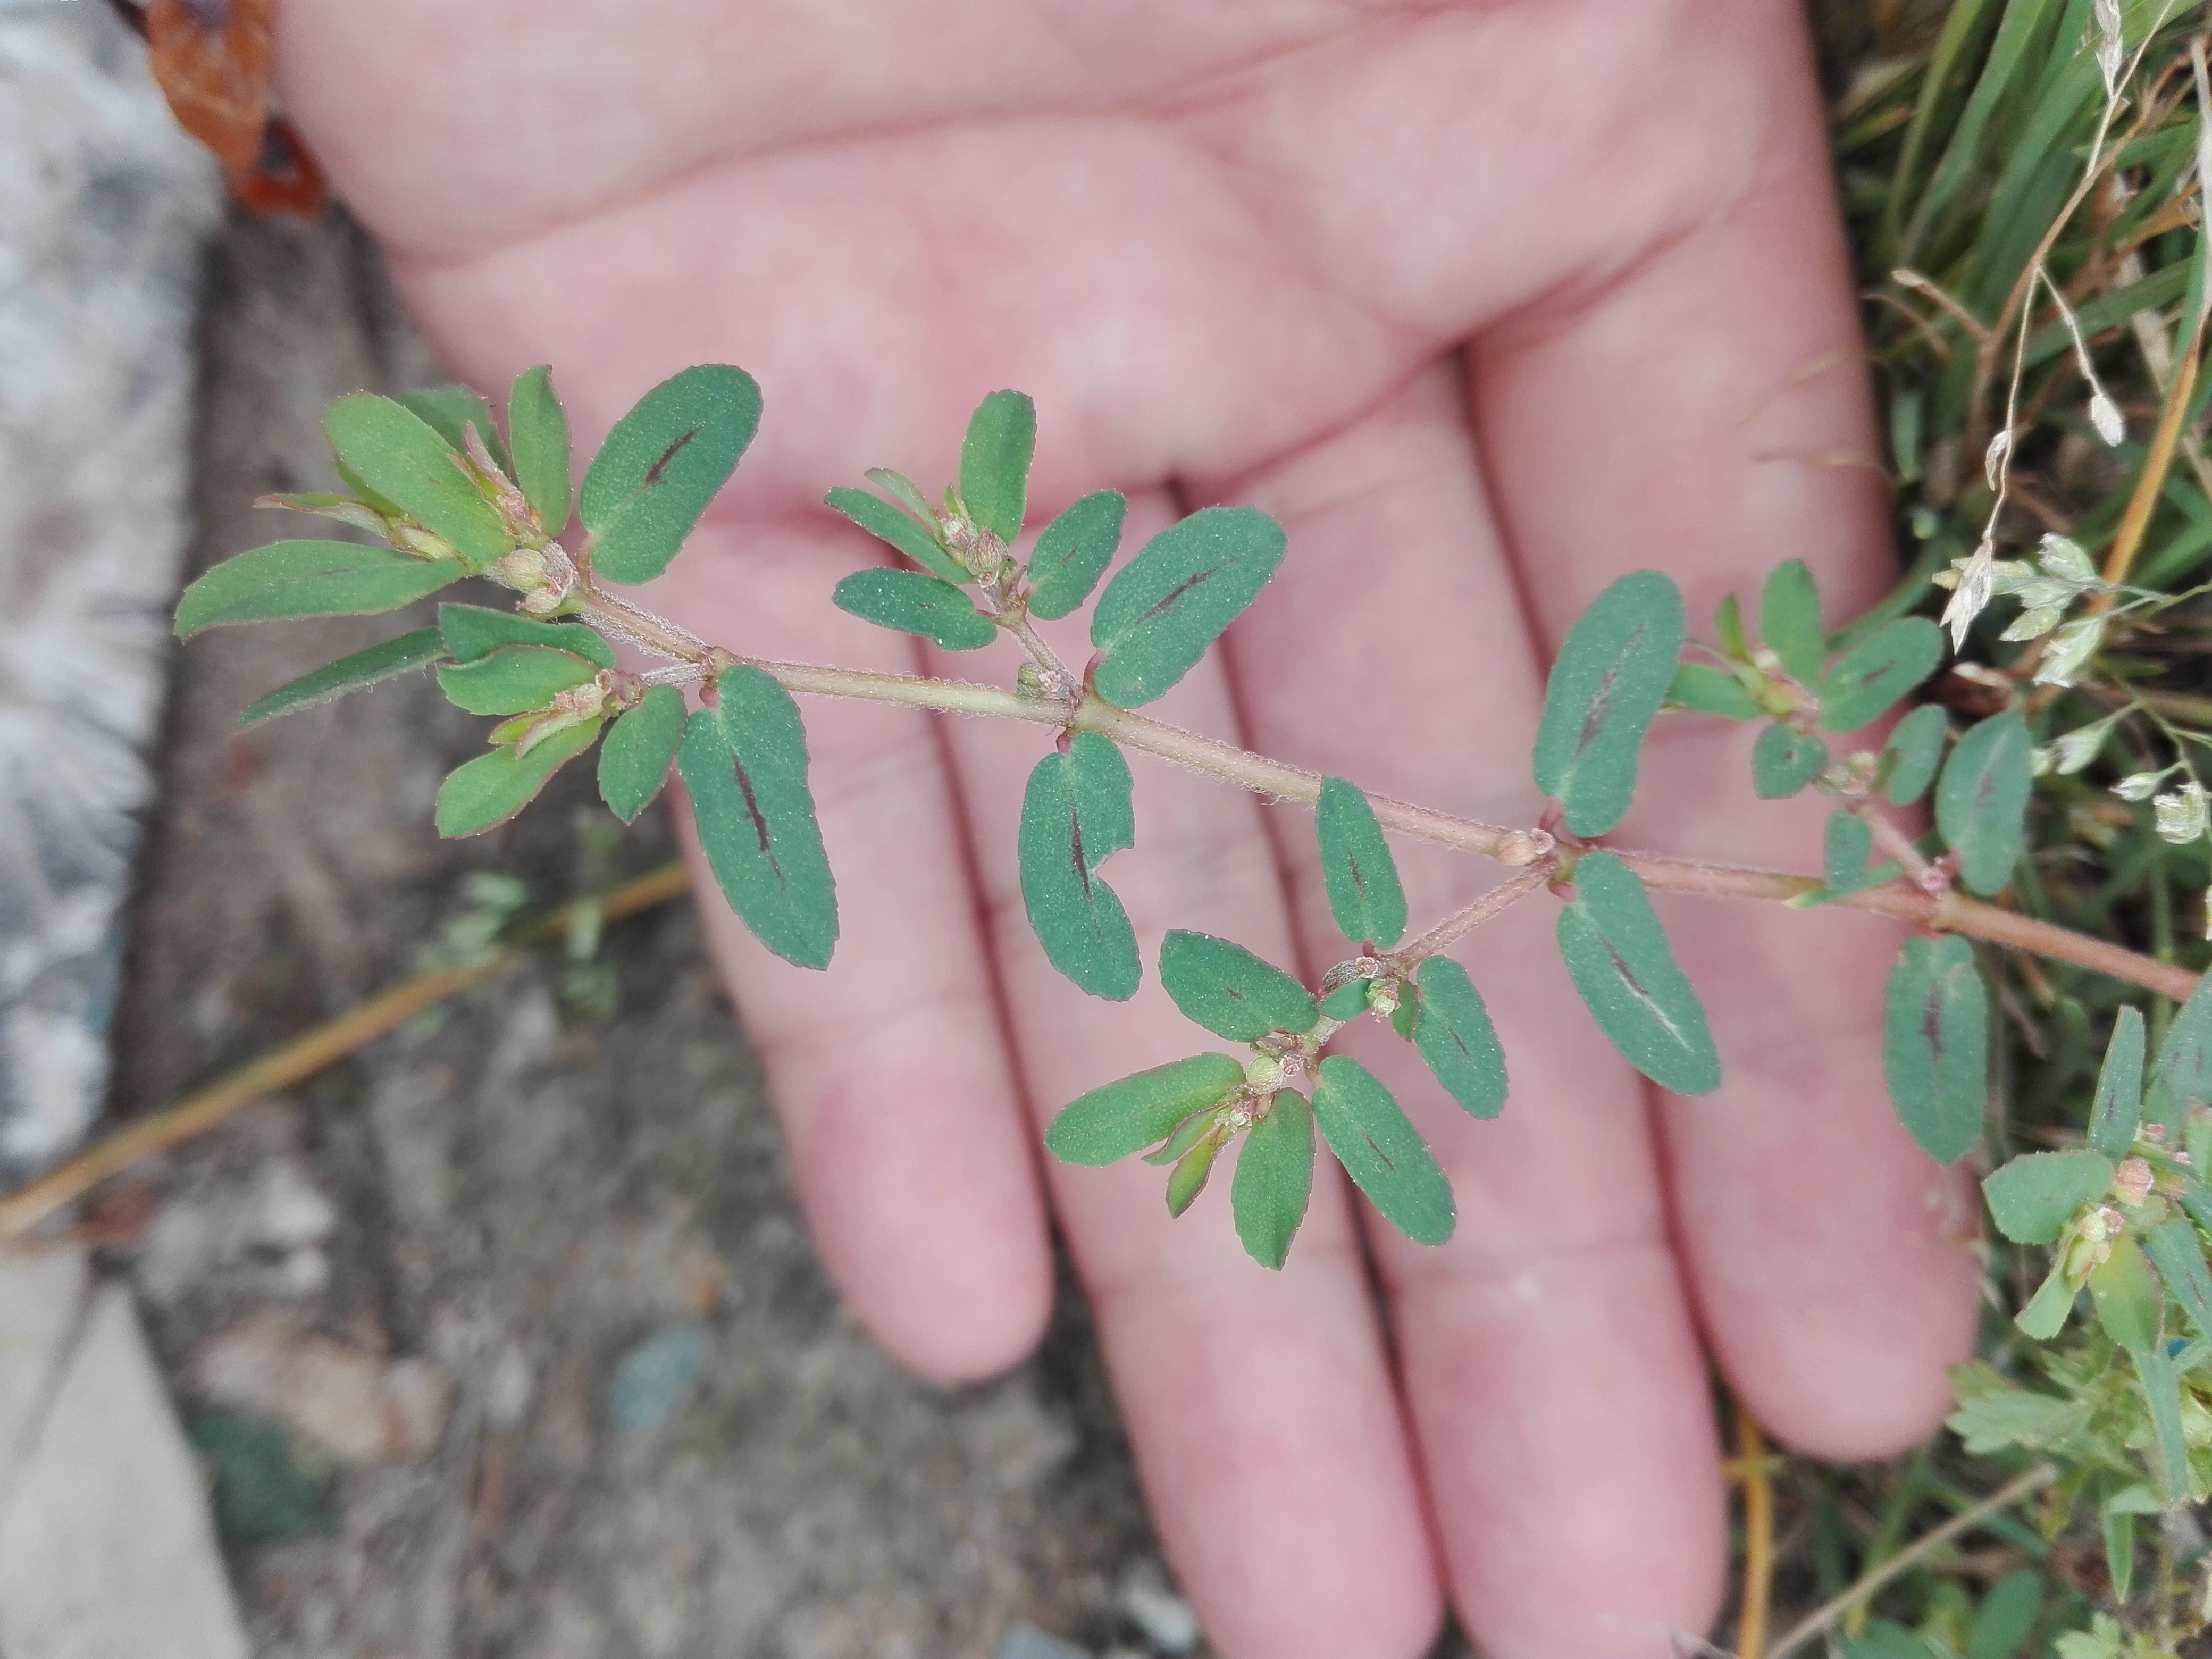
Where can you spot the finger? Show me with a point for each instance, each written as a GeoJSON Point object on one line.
{"type": "Point", "coordinates": [1549, 1357]}
{"type": "Point", "coordinates": [1708, 414]}
{"type": "Point", "coordinates": [1259, 1405]}
{"type": "Point", "coordinates": [889, 1072]}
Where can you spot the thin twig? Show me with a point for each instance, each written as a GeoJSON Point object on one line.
{"type": "Point", "coordinates": [1496, 902]}
{"type": "Point", "coordinates": [1757, 1538]}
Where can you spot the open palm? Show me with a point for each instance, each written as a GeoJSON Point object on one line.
{"type": "Point", "coordinates": [1487, 303]}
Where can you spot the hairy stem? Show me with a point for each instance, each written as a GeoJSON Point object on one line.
{"type": "Point", "coordinates": [1498, 900]}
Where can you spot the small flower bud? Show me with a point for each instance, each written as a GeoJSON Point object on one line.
{"type": "Point", "coordinates": [2131, 1181]}
{"type": "Point", "coordinates": [1263, 1072]}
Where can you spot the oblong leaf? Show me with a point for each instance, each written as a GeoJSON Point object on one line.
{"type": "Point", "coordinates": [1074, 551]}
{"type": "Point", "coordinates": [2126, 1296]}
{"type": "Point", "coordinates": [995, 463]}
{"type": "Point", "coordinates": [1789, 621]}
{"type": "Point", "coordinates": [1347, 1002]}
{"type": "Point", "coordinates": [743, 762]}
{"type": "Point", "coordinates": [1274, 1179]}
{"type": "Point", "coordinates": [286, 580]}
{"type": "Point", "coordinates": [404, 655]}
{"type": "Point", "coordinates": [1914, 752]}
{"type": "Point", "coordinates": [1935, 1044]}
{"type": "Point", "coordinates": [1618, 955]}
{"type": "Point", "coordinates": [1185, 587]}
{"type": "Point", "coordinates": [537, 430]}
{"type": "Point", "coordinates": [515, 680]}
{"type": "Point", "coordinates": [492, 788]}
{"type": "Point", "coordinates": [1784, 761]}
{"type": "Point", "coordinates": [1124, 1117]}
{"type": "Point", "coordinates": [914, 602]}
{"type": "Point", "coordinates": [2006, 1617]}
{"type": "Point", "coordinates": [402, 459]}
{"type": "Point", "coordinates": [1381, 1151]}
{"type": "Point", "coordinates": [472, 631]}
{"type": "Point", "coordinates": [1846, 847]}
{"type": "Point", "coordinates": [2034, 1197]}
{"type": "Point", "coordinates": [641, 747]}
{"type": "Point", "coordinates": [1364, 894]}
{"type": "Point", "coordinates": [662, 464]}
{"type": "Point", "coordinates": [2161, 1387]}
{"type": "Point", "coordinates": [1187, 1179]}
{"type": "Point", "coordinates": [1230, 991]}
{"type": "Point", "coordinates": [2049, 1309]}
{"type": "Point", "coordinates": [1453, 1031]}
{"type": "Point", "coordinates": [1981, 804]}
{"type": "Point", "coordinates": [1607, 683]}
{"type": "Point", "coordinates": [1067, 831]}
{"type": "Point", "coordinates": [450, 410]}
{"type": "Point", "coordinates": [2185, 1059]}
{"type": "Point", "coordinates": [1878, 670]}
{"type": "Point", "coordinates": [887, 524]}
{"type": "Point", "coordinates": [1705, 690]}
{"type": "Point", "coordinates": [2117, 1110]}
{"type": "Point", "coordinates": [2178, 1255]}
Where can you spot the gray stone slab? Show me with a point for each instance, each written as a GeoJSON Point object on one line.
{"type": "Point", "coordinates": [41, 1302]}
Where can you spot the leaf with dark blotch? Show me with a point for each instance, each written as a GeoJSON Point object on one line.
{"type": "Point", "coordinates": [2178, 1255]}
{"type": "Point", "coordinates": [887, 524]}
{"type": "Point", "coordinates": [1187, 1179]}
{"type": "Point", "coordinates": [1935, 1044]}
{"type": "Point", "coordinates": [1914, 753]}
{"type": "Point", "coordinates": [450, 410]}
{"type": "Point", "coordinates": [1705, 689]}
{"type": "Point", "coordinates": [1789, 621]}
{"type": "Point", "coordinates": [1274, 1179]}
{"type": "Point", "coordinates": [1981, 804]}
{"type": "Point", "coordinates": [492, 788]}
{"type": "Point", "coordinates": [1381, 1151]}
{"type": "Point", "coordinates": [1453, 1033]}
{"type": "Point", "coordinates": [1074, 551]}
{"type": "Point", "coordinates": [914, 602]}
{"type": "Point", "coordinates": [1878, 670]}
{"type": "Point", "coordinates": [1784, 761]}
{"type": "Point", "coordinates": [287, 580]}
{"type": "Point", "coordinates": [1230, 991]}
{"type": "Point", "coordinates": [2185, 1059]}
{"type": "Point", "coordinates": [515, 680]}
{"type": "Point", "coordinates": [2119, 1107]}
{"type": "Point", "coordinates": [1105, 796]}
{"type": "Point", "coordinates": [404, 655]}
{"type": "Point", "coordinates": [1611, 675]}
{"type": "Point", "coordinates": [743, 762]}
{"type": "Point", "coordinates": [641, 747]}
{"type": "Point", "coordinates": [1617, 953]}
{"type": "Point", "coordinates": [472, 631]}
{"type": "Point", "coordinates": [1124, 1117]}
{"type": "Point", "coordinates": [398, 455]}
{"type": "Point", "coordinates": [1071, 811]}
{"type": "Point", "coordinates": [1185, 587]}
{"type": "Point", "coordinates": [995, 463]}
{"type": "Point", "coordinates": [661, 466]}
{"type": "Point", "coordinates": [1364, 894]}
{"type": "Point", "coordinates": [537, 429]}
{"type": "Point", "coordinates": [2034, 1197]}
{"type": "Point", "coordinates": [2126, 1296]}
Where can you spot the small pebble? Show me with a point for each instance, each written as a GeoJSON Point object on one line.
{"type": "Point", "coordinates": [1028, 1641]}
{"type": "Point", "coordinates": [1154, 1608]}
{"type": "Point", "coordinates": [653, 1381]}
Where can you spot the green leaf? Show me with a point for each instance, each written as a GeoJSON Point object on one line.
{"type": "Point", "coordinates": [2000, 1415]}
{"type": "Point", "coordinates": [1728, 628]}
{"type": "Point", "coordinates": [1935, 1044]}
{"type": "Point", "coordinates": [1187, 1179]}
{"type": "Point", "coordinates": [401, 458]}
{"type": "Point", "coordinates": [1607, 682]}
{"type": "Point", "coordinates": [1981, 804]}
{"type": "Point", "coordinates": [995, 463]}
{"type": "Point", "coordinates": [641, 747]}
{"type": "Point", "coordinates": [2119, 1530]}
{"type": "Point", "coordinates": [1348, 1001]}
{"type": "Point", "coordinates": [1617, 952]}
{"type": "Point", "coordinates": [1878, 670]}
{"type": "Point", "coordinates": [2034, 1197]}
{"type": "Point", "coordinates": [343, 508]}
{"type": "Point", "coordinates": [1382, 1150]}
{"type": "Point", "coordinates": [286, 580]}
{"type": "Point", "coordinates": [1073, 552]}
{"type": "Point", "coordinates": [2006, 1618]}
{"type": "Point", "coordinates": [2118, 1108]}
{"type": "Point", "coordinates": [2125, 1297]}
{"type": "Point", "coordinates": [261, 1488]}
{"type": "Point", "coordinates": [1914, 752]}
{"type": "Point", "coordinates": [1789, 621]}
{"type": "Point", "coordinates": [1231, 992]}
{"type": "Point", "coordinates": [915, 603]}
{"type": "Point", "coordinates": [1846, 847]}
{"type": "Point", "coordinates": [539, 430]}
{"type": "Point", "coordinates": [2185, 1059]}
{"type": "Point", "coordinates": [1194, 1129]}
{"type": "Point", "coordinates": [1075, 813]}
{"type": "Point", "coordinates": [1124, 1117]}
{"type": "Point", "coordinates": [1784, 761]}
{"type": "Point", "coordinates": [492, 788]}
{"type": "Point", "coordinates": [743, 762]}
{"type": "Point", "coordinates": [887, 524]}
{"type": "Point", "coordinates": [514, 681]}
{"type": "Point", "coordinates": [1453, 1033]}
{"type": "Point", "coordinates": [473, 631]}
{"type": "Point", "coordinates": [902, 490]}
{"type": "Point", "coordinates": [1185, 587]}
{"type": "Point", "coordinates": [2048, 1310]}
{"type": "Point", "coordinates": [2161, 1388]}
{"type": "Point", "coordinates": [1705, 690]}
{"type": "Point", "coordinates": [2177, 1254]}
{"type": "Point", "coordinates": [1274, 1179]}
{"type": "Point", "coordinates": [404, 655]}
{"type": "Point", "coordinates": [1364, 894]}
{"type": "Point", "coordinates": [661, 465]}
{"type": "Point", "coordinates": [448, 409]}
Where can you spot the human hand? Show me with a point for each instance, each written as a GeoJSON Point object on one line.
{"type": "Point", "coordinates": [1487, 304]}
